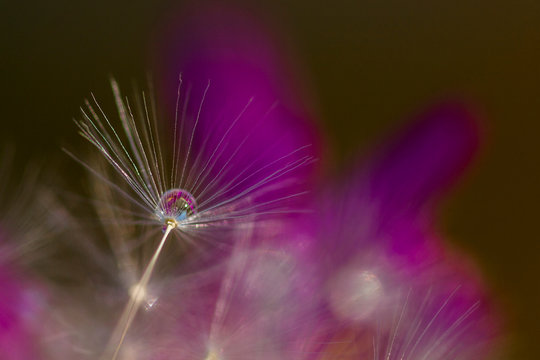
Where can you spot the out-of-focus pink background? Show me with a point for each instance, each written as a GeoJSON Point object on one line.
{"type": "Point", "coordinates": [371, 65]}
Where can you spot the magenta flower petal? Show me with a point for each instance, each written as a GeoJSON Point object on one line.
{"type": "Point", "coordinates": [251, 128]}
{"type": "Point", "coordinates": [425, 159]}
{"type": "Point", "coordinates": [386, 201]}
{"type": "Point", "coordinates": [20, 306]}
{"type": "Point", "coordinates": [348, 222]}
{"type": "Point", "coordinates": [381, 207]}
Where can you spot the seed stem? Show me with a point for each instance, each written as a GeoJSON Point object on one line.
{"type": "Point", "coordinates": [134, 303]}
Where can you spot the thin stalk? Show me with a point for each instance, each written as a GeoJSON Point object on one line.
{"type": "Point", "coordinates": [133, 305]}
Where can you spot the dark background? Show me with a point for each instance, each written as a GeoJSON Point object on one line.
{"type": "Point", "coordinates": [370, 63]}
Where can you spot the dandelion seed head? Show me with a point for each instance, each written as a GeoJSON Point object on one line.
{"type": "Point", "coordinates": [175, 206]}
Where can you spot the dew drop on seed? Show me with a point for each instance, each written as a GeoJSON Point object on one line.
{"type": "Point", "coordinates": [176, 205]}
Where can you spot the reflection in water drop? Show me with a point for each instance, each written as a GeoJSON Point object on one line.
{"type": "Point", "coordinates": [176, 205]}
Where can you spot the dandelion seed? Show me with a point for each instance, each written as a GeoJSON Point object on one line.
{"type": "Point", "coordinates": [176, 196]}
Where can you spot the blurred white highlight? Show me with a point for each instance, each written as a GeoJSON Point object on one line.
{"type": "Point", "coordinates": [354, 294]}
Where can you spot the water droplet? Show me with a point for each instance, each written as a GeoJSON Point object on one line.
{"type": "Point", "coordinates": [175, 206]}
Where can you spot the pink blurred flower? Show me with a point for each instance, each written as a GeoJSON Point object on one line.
{"type": "Point", "coordinates": [363, 274]}
{"type": "Point", "coordinates": [382, 268]}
